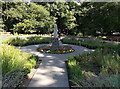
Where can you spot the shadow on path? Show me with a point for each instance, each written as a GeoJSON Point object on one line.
{"type": "Point", "coordinates": [52, 71]}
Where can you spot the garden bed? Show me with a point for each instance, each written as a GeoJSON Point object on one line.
{"type": "Point", "coordinates": [96, 69]}
{"type": "Point", "coordinates": [82, 74]}
{"type": "Point", "coordinates": [15, 65]}
{"type": "Point", "coordinates": [27, 79]}
{"type": "Point", "coordinates": [61, 50]}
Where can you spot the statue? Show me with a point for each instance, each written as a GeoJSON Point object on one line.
{"type": "Point", "coordinates": [55, 31]}
{"type": "Point", "coordinates": [56, 47]}
{"type": "Point", "coordinates": [55, 43]}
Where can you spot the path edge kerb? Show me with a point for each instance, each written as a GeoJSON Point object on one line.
{"type": "Point", "coordinates": [68, 76]}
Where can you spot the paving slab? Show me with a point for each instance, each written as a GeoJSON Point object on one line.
{"type": "Point", "coordinates": [52, 70]}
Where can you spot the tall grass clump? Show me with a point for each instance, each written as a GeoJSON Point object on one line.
{"type": "Point", "coordinates": [15, 65]}
{"type": "Point", "coordinates": [74, 70]}
{"type": "Point", "coordinates": [13, 59]}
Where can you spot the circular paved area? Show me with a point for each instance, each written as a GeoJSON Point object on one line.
{"type": "Point", "coordinates": [52, 71]}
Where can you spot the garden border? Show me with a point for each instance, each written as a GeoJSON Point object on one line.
{"type": "Point", "coordinates": [27, 80]}
{"type": "Point", "coordinates": [70, 84]}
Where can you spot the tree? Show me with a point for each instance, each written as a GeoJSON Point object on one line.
{"type": "Point", "coordinates": [1, 20]}
{"type": "Point", "coordinates": [64, 16]}
{"type": "Point", "coordinates": [23, 18]}
{"type": "Point", "coordinates": [98, 17]}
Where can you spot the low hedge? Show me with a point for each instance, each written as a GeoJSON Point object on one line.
{"type": "Point", "coordinates": [19, 41]}
{"type": "Point", "coordinates": [91, 44]}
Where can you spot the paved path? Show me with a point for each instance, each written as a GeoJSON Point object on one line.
{"type": "Point", "coordinates": [52, 71]}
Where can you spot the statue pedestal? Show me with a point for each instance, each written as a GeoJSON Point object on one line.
{"type": "Point", "coordinates": [55, 44]}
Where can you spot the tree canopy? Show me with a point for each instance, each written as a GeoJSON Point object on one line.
{"type": "Point", "coordinates": [87, 18]}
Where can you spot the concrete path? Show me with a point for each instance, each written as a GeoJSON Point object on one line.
{"type": "Point", "coordinates": [52, 71]}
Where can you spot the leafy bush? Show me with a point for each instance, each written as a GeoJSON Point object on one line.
{"type": "Point", "coordinates": [74, 70]}
{"type": "Point", "coordinates": [16, 41]}
{"type": "Point", "coordinates": [102, 80]}
{"type": "Point", "coordinates": [27, 41]}
{"type": "Point", "coordinates": [97, 63]}
{"type": "Point", "coordinates": [14, 59]}
{"type": "Point", "coordinates": [15, 63]}
{"type": "Point", "coordinates": [106, 62]}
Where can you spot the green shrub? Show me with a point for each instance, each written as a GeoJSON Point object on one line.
{"type": "Point", "coordinates": [102, 80]}
{"type": "Point", "coordinates": [13, 59]}
{"type": "Point", "coordinates": [16, 41]}
{"type": "Point", "coordinates": [110, 64]}
{"type": "Point", "coordinates": [15, 65]}
{"type": "Point", "coordinates": [74, 70]}
{"type": "Point", "coordinates": [104, 62]}
{"type": "Point", "coordinates": [107, 62]}
{"type": "Point", "coordinates": [105, 59]}
{"type": "Point", "coordinates": [91, 44]}
{"type": "Point", "coordinates": [19, 41]}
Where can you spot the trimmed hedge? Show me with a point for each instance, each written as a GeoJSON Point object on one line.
{"type": "Point", "coordinates": [19, 41]}
{"type": "Point", "coordinates": [91, 44]}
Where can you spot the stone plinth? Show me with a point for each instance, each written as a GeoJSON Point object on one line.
{"type": "Point", "coordinates": [55, 44]}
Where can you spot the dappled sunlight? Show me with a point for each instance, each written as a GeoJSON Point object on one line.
{"type": "Point", "coordinates": [50, 57]}
{"type": "Point", "coordinates": [88, 50]}
{"type": "Point", "coordinates": [52, 70]}
{"type": "Point", "coordinates": [49, 76]}
{"type": "Point", "coordinates": [43, 80]}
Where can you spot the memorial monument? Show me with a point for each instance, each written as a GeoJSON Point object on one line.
{"type": "Point", "coordinates": [55, 42]}
{"type": "Point", "coordinates": [55, 47]}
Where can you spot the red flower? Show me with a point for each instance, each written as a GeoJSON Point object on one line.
{"type": "Point", "coordinates": [59, 49]}
{"type": "Point", "coordinates": [54, 51]}
{"type": "Point", "coordinates": [39, 49]}
{"type": "Point", "coordinates": [49, 46]}
{"type": "Point", "coordinates": [44, 50]}
{"type": "Point", "coordinates": [62, 51]}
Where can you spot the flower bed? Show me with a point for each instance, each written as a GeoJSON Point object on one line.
{"type": "Point", "coordinates": [60, 50]}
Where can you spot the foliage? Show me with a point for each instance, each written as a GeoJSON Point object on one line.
{"type": "Point", "coordinates": [88, 18]}
{"type": "Point", "coordinates": [64, 14]}
{"type": "Point", "coordinates": [100, 62]}
{"type": "Point", "coordinates": [15, 65]}
{"type": "Point", "coordinates": [95, 65]}
{"type": "Point", "coordinates": [105, 61]}
{"type": "Point", "coordinates": [1, 25]}
{"type": "Point", "coordinates": [98, 17]}
{"type": "Point", "coordinates": [23, 18]}
{"type": "Point", "coordinates": [102, 80]}
{"type": "Point", "coordinates": [13, 59]}
{"type": "Point", "coordinates": [19, 41]}
{"type": "Point", "coordinates": [74, 71]}
{"type": "Point", "coordinates": [91, 43]}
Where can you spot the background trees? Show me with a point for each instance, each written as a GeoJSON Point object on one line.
{"type": "Point", "coordinates": [87, 18]}
{"type": "Point", "coordinates": [99, 17]}
{"type": "Point", "coordinates": [23, 18]}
